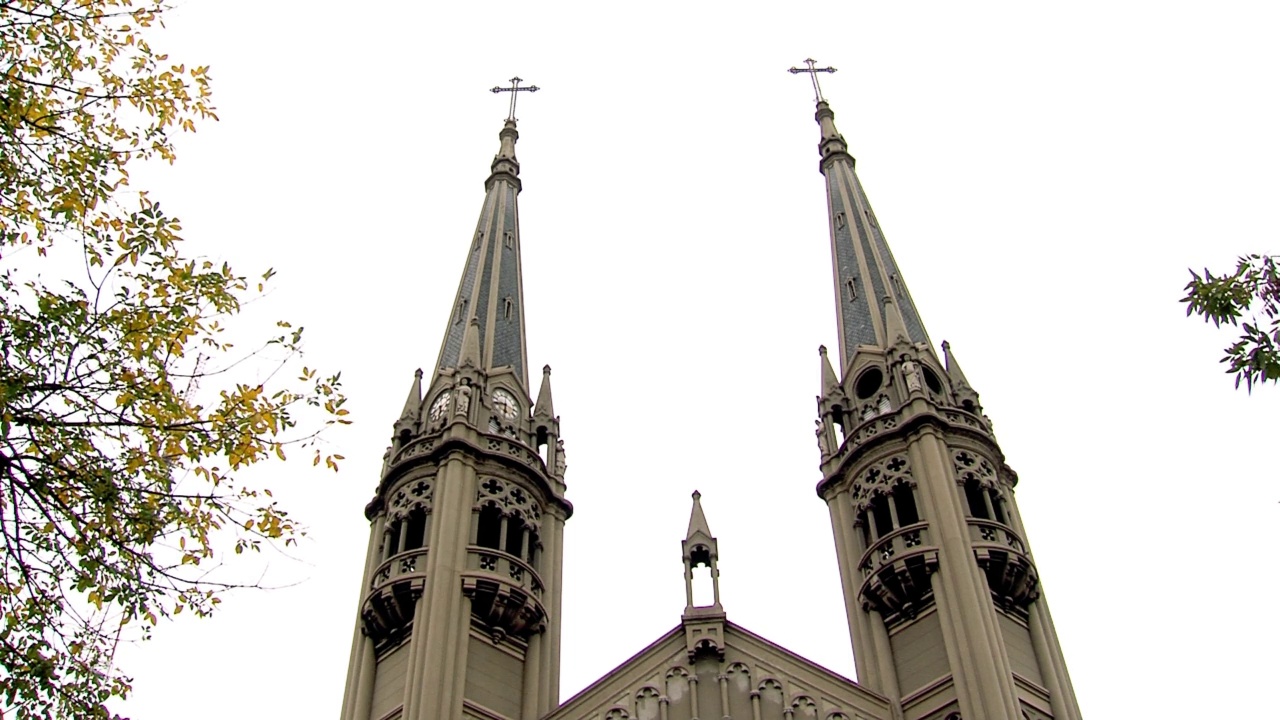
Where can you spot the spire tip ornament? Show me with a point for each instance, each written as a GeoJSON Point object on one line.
{"type": "Point", "coordinates": [813, 75]}
{"type": "Point", "coordinates": [515, 89]}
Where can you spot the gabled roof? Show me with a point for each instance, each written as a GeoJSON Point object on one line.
{"type": "Point", "coordinates": [750, 664]}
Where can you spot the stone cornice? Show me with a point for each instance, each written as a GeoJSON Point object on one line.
{"type": "Point", "coordinates": [900, 426]}
{"type": "Point", "coordinates": [434, 449]}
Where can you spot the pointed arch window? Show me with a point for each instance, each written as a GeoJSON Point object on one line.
{"type": "Point", "coordinates": [887, 512]}
{"type": "Point", "coordinates": [393, 539]}
{"type": "Point", "coordinates": [974, 495]}
{"type": "Point", "coordinates": [489, 527]}
{"type": "Point", "coordinates": [416, 530]}
{"type": "Point", "coordinates": [515, 536]}
{"type": "Point", "coordinates": [997, 507]}
{"type": "Point", "coordinates": [985, 503]}
{"type": "Point", "coordinates": [881, 517]}
{"type": "Point", "coordinates": [531, 552]}
{"type": "Point", "coordinates": [904, 501]}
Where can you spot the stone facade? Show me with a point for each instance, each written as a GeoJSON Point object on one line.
{"type": "Point", "coordinates": [460, 612]}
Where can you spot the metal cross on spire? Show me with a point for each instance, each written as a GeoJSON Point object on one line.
{"type": "Point", "coordinates": [813, 74]}
{"type": "Point", "coordinates": [515, 89]}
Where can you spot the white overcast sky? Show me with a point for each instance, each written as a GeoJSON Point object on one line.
{"type": "Point", "coordinates": [1045, 174]}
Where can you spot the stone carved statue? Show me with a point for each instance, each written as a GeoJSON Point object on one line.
{"type": "Point", "coordinates": [561, 464]}
{"type": "Point", "coordinates": [911, 373]}
{"type": "Point", "coordinates": [462, 403]}
{"type": "Point", "coordinates": [824, 442]}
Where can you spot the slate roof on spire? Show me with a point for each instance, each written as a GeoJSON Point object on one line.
{"type": "Point", "coordinates": [490, 294]}
{"type": "Point", "coordinates": [865, 270]}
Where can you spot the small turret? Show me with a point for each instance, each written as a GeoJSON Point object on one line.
{"type": "Point", "coordinates": [966, 397]}
{"type": "Point", "coordinates": [546, 428]}
{"type": "Point", "coordinates": [703, 624]}
{"type": "Point", "coordinates": [829, 381]}
{"type": "Point", "coordinates": [833, 408]}
{"type": "Point", "coordinates": [410, 416]}
{"type": "Point", "coordinates": [699, 547]}
{"type": "Point", "coordinates": [544, 409]}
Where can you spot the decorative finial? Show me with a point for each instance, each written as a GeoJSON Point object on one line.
{"type": "Point", "coordinates": [697, 521]}
{"type": "Point", "coordinates": [515, 89]}
{"type": "Point", "coordinates": [813, 74]}
{"type": "Point", "coordinates": [822, 350]}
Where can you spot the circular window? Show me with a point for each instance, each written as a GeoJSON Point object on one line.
{"type": "Point", "coordinates": [931, 379]}
{"type": "Point", "coordinates": [868, 383]}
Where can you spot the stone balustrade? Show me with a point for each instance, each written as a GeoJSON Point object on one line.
{"type": "Point", "coordinates": [896, 569]}
{"type": "Point", "coordinates": [1002, 555]}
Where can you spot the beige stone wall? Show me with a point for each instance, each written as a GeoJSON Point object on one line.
{"type": "Point", "coordinates": [917, 653]}
{"type": "Point", "coordinates": [388, 685]}
{"type": "Point", "coordinates": [1022, 656]}
{"type": "Point", "coordinates": [494, 678]}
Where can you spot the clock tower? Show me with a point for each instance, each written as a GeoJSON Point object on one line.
{"type": "Point", "coordinates": [460, 597]}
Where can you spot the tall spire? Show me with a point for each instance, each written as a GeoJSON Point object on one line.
{"type": "Point", "coordinates": [464, 564]}
{"type": "Point", "coordinates": [490, 298]}
{"type": "Point", "coordinates": [871, 297]}
{"type": "Point", "coordinates": [921, 501]}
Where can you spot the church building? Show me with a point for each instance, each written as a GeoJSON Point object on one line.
{"type": "Point", "coordinates": [460, 603]}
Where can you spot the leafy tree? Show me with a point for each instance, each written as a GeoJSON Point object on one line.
{"type": "Point", "coordinates": [1254, 286]}
{"type": "Point", "coordinates": [118, 469]}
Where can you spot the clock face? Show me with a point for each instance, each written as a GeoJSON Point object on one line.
{"type": "Point", "coordinates": [439, 407]}
{"type": "Point", "coordinates": [505, 405]}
